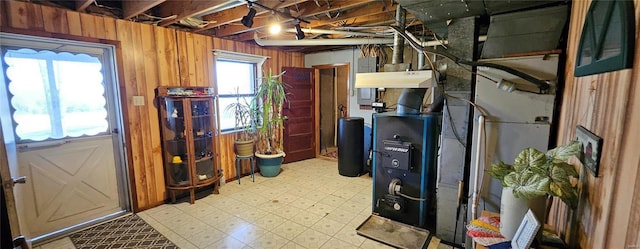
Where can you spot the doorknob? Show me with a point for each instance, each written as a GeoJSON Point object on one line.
{"type": "Point", "coordinates": [20, 180]}
{"type": "Point", "coordinates": [15, 180]}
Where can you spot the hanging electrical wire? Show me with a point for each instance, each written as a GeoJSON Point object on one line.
{"type": "Point", "coordinates": [541, 84]}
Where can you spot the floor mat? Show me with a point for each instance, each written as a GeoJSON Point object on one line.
{"type": "Point", "coordinates": [393, 233]}
{"type": "Point", "coordinates": [126, 232]}
{"type": "Point", "coordinates": [331, 154]}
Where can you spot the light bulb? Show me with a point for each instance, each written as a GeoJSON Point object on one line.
{"type": "Point", "coordinates": [275, 28]}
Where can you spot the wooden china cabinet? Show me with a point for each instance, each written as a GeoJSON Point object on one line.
{"type": "Point", "coordinates": [189, 139]}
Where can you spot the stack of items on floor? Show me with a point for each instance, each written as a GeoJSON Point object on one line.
{"type": "Point", "coordinates": [486, 231]}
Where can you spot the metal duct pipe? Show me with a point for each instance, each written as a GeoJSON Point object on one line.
{"type": "Point", "coordinates": [322, 42]}
{"type": "Point", "coordinates": [398, 41]}
{"type": "Point", "coordinates": [337, 32]}
{"type": "Point", "coordinates": [410, 100]}
{"type": "Point", "coordinates": [421, 59]}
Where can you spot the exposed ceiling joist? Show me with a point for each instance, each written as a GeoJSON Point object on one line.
{"type": "Point", "coordinates": [185, 9]}
{"type": "Point", "coordinates": [131, 9]}
{"type": "Point", "coordinates": [234, 14]}
{"type": "Point", "coordinates": [369, 10]}
{"type": "Point", "coordinates": [81, 5]}
{"type": "Point", "coordinates": [306, 10]}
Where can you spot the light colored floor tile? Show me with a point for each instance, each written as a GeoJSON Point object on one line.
{"type": "Point", "coordinates": [216, 218]}
{"type": "Point", "coordinates": [299, 191]}
{"type": "Point", "coordinates": [349, 235]}
{"type": "Point", "coordinates": [303, 207]}
{"type": "Point", "coordinates": [223, 202]}
{"type": "Point", "coordinates": [341, 216]}
{"type": "Point", "coordinates": [333, 201]}
{"type": "Point", "coordinates": [197, 209]}
{"type": "Point", "coordinates": [255, 200]}
{"type": "Point", "coordinates": [271, 205]}
{"type": "Point", "coordinates": [232, 224]}
{"type": "Point", "coordinates": [205, 238]}
{"type": "Point", "coordinates": [293, 245]}
{"type": "Point", "coordinates": [184, 244]}
{"type": "Point", "coordinates": [163, 212]}
{"type": "Point", "coordinates": [321, 209]}
{"type": "Point", "coordinates": [289, 229]}
{"type": "Point", "coordinates": [306, 218]}
{"type": "Point", "coordinates": [269, 241]}
{"type": "Point", "coordinates": [316, 195]}
{"type": "Point", "coordinates": [354, 207]}
{"type": "Point", "coordinates": [253, 214]}
{"type": "Point", "coordinates": [287, 211]}
{"type": "Point", "coordinates": [238, 208]}
{"type": "Point", "coordinates": [311, 239]}
{"type": "Point", "coordinates": [189, 229]}
{"type": "Point", "coordinates": [286, 198]}
{"type": "Point", "coordinates": [227, 242]}
{"type": "Point", "coordinates": [270, 222]}
{"type": "Point", "coordinates": [334, 243]}
{"type": "Point", "coordinates": [327, 226]}
{"type": "Point", "coordinates": [302, 203]}
{"type": "Point", "coordinates": [64, 243]}
{"type": "Point", "coordinates": [248, 233]}
{"type": "Point", "coordinates": [373, 245]}
{"type": "Point", "coordinates": [177, 221]}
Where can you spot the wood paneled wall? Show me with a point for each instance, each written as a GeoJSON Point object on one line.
{"type": "Point", "coordinates": [608, 104]}
{"type": "Point", "coordinates": [148, 57]}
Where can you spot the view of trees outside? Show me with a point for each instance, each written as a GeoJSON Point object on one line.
{"type": "Point", "coordinates": [56, 95]}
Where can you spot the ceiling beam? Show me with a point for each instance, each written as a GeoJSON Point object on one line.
{"type": "Point", "coordinates": [188, 8]}
{"type": "Point", "coordinates": [369, 10]}
{"type": "Point", "coordinates": [306, 9]}
{"type": "Point", "coordinates": [378, 21]}
{"type": "Point", "coordinates": [81, 5]}
{"type": "Point", "coordinates": [131, 9]}
{"type": "Point", "coordinates": [235, 14]}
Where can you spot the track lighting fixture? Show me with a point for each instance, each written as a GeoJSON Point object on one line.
{"type": "Point", "coordinates": [247, 20]}
{"type": "Point", "coordinates": [299, 33]}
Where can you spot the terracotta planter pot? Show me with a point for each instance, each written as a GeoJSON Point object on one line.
{"type": "Point", "coordinates": [244, 148]}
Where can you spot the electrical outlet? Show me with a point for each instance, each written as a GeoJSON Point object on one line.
{"type": "Point", "coordinates": [138, 100]}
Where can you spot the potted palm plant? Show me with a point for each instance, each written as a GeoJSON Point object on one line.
{"type": "Point", "coordinates": [533, 176]}
{"type": "Point", "coordinates": [267, 103]}
{"type": "Point", "coordinates": [245, 125]}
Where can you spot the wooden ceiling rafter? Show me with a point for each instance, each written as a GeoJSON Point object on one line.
{"type": "Point", "coordinates": [235, 14]}
{"type": "Point", "coordinates": [370, 10]}
{"type": "Point", "coordinates": [131, 9]}
{"type": "Point", "coordinates": [185, 9]}
{"type": "Point", "coordinates": [307, 9]}
{"type": "Point", "coordinates": [81, 5]}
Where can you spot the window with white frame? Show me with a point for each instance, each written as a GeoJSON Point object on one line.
{"type": "Point", "coordinates": [55, 94]}
{"type": "Point", "coordinates": [236, 77]}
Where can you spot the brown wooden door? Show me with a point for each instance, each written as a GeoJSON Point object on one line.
{"type": "Point", "coordinates": [299, 132]}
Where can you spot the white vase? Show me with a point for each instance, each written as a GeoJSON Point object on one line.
{"type": "Point", "coordinates": [513, 209]}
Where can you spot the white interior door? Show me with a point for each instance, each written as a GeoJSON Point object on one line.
{"type": "Point", "coordinates": [61, 121]}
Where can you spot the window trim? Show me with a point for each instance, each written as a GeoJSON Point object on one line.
{"type": "Point", "coordinates": [225, 55]}
{"type": "Point", "coordinates": [105, 54]}
{"type": "Point", "coordinates": [619, 61]}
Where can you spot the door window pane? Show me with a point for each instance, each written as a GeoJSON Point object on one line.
{"type": "Point", "coordinates": [56, 95]}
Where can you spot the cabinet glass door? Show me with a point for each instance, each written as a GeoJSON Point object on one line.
{"type": "Point", "coordinates": [201, 122]}
{"type": "Point", "coordinates": [176, 143]}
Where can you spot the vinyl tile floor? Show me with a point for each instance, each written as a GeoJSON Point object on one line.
{"type": "Point", "coordinates": [308, 205]}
